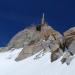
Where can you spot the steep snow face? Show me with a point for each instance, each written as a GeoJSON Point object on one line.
{"type": "Point", "coordinates": [29, 66]}
{"type": "Point", "coordinates": [11, 54]}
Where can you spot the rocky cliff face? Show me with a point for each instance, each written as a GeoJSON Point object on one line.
{"type": "Point", "coordinates": [32, 42]}
{"type": "Point", "coordinates": [69, 38]}
{"type": "Point", "coordinates": [23, 38]}
{"type": "Point", "coordinates": [30, 34]}
{"type": "Point", "coordinates": [69, 42]}
{"type": "Point", "coordinates": [36, 38]}
{"type": "Point", "coordinates": [40, 37]}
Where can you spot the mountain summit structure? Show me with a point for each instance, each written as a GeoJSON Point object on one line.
{"type": "Point", "coordinates": [39, 37]}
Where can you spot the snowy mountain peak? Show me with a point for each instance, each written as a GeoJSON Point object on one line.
{"type": "Point", "coordinates": [39, 50]}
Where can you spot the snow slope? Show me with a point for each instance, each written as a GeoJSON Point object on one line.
{"type": "Point", "coordinates": [29, 66]}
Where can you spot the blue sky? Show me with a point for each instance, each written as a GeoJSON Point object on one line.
{"type": "Point", "coordinates": [15, 15]}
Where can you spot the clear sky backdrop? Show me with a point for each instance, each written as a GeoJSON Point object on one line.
{"type": "Point", "coordinates": [15, 15]}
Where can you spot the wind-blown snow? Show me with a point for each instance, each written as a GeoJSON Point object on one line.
{"type": "Point", "coordinates": [29, 66]}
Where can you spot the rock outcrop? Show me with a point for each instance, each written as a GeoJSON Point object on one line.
{"type": "Point", "coordinates": [69, 42]}
{"type": "Point", "coordinates": [39, 37]}
{"type": "Point", "coordinates": [36, 38]}
{"type": "Point", "coordinates": [4, 49]}
{"type": "Point", "coordinates": [35, 43]}
{"type": "Point", "coordinates": [69, 39]}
